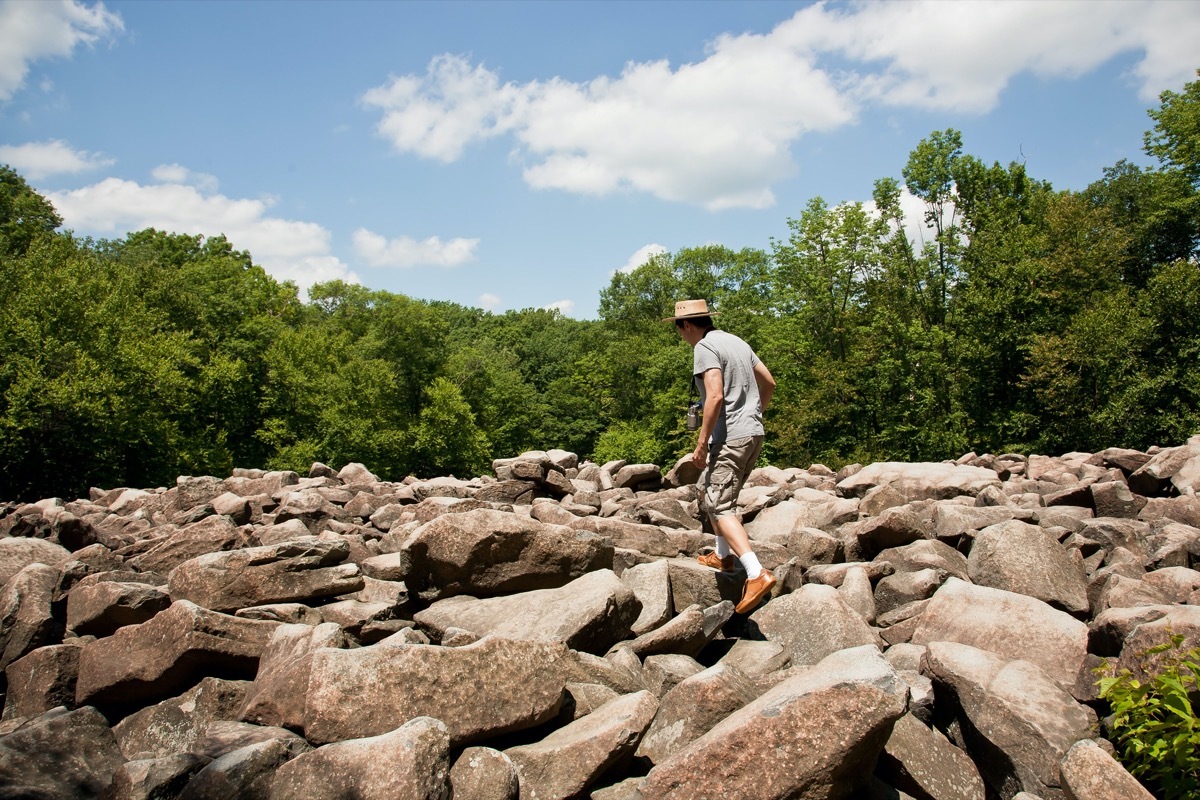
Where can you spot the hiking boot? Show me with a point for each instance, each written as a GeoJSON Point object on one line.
{"type": "Point", "coordinates": [726, 564]}
{"type": "Point", "coordinates": [755, 591]}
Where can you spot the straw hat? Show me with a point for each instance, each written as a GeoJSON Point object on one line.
{"type": "Point", "coordinates": [688, 309]}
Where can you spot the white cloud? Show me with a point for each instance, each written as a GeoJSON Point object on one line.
{"type": "Point", "coordinates": [489, 302]}
{"type": "Point", "coordinates": [564, 307]}
{"type": "Point", "coordinates": [177, 173]}
{"type": "Point", "coordinates": [287, 249]}
{"type": "Point", "coordinates": [913, 208]}
{"type": "Point", "coordinates": [379, 251]}
{"type": "Point", "coordinates": [641, 256]}
{"type": "Point", "coordinates": [37, 160]}
{"type": "Point", "coordinates": [718, 132]}
{"type": "Point", "coordinates": [31, 31]}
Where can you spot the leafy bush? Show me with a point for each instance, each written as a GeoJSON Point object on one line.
{"type": "Point", "coordinates": [1153, 726]}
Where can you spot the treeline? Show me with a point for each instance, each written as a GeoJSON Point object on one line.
{"type": "Point", "coordinates": [1028, 319]}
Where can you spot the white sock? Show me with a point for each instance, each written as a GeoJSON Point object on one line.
{"type": "Point", "coordinates": [750, 562]}
{"type": "Point", "coordinates": [722, 547]}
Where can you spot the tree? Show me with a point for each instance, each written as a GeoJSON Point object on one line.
{"type": "Point", "coordinates": [24, 214]}
{"type": "Point", "coordinates": [1175, 139]}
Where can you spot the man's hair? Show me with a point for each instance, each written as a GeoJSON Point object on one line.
{"type": "Point", "coordinates": [703, 323]}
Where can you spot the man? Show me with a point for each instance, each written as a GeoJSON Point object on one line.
{"type": "Point", "coordinates": [735, 388]}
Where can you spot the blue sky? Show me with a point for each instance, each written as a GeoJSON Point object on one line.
{"type": "Point", "coordinates": [508, 155]}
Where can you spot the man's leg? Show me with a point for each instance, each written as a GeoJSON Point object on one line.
{"type": "Point", "coordinates": [729, 466]}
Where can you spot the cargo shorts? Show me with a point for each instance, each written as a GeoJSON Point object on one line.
{"type": "Point", "coordinates": [729, 464]}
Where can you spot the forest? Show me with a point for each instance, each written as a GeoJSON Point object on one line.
{"type": "Point", "coordinates": [1029, 320]}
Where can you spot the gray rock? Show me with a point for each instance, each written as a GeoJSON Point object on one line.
{"type": "Point", "coordinates": [662, 673]}
{"type": "Point", "coordinates": [486, 553]}
{"type": "Point", "coordinates": [568, 760]}
{"type": "Point", "coordinates": [278, 573]}
{"type": "Point", "coordinates": [812, 623]}
{"type": "Point", "coordinates": [814, 735]}
{"type": "Point", "coordinates": [686, 634]}
{"type": "Point", "coordinates": [353, 694]}
{"type": "Point", "coordinates": [142, 664]}
{"type": "Point", "coordinates": [591, 613]}
{"type": "Point", "coordinates": [1014, 626]}
{"type": "Point", "coordinates": [59, 755]}
{"type": "Point", "coordinates": [1022, 558]}
{"type": "Point", "coordinates": [925, 481]}
{"type": "Point", "coordinates": [1017, 721]}
{"type": "Point", "coordinates": [415, 757]}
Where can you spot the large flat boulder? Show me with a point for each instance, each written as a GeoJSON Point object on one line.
{"type": "Point", "coordinates": [1014, 626]}
{"type": "Point", "coordinates": [592, 613]}
{"type": "Point", "coordinates": [353, 694]}
{"type": "Point", "coordinates": [815, 735]}
{"type": "Point", "coordinates": [920, 481]}
{"type": "Point", "coordinates": [209, 535]}
{"type": "Point", "coordinates": [254, 576]}
{"type": "Point", "coordinates": [142, 664]}
{"type": "Point", "coordinates": [1017, 721]}
{"type": "Point", "coordinates": [486, 552]}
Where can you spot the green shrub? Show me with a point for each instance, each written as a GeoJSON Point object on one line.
{"type": "Point", "coordinates": [1153, 727]}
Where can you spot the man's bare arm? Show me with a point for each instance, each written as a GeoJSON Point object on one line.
{"type": "Point", "coordinates": [766, 384]}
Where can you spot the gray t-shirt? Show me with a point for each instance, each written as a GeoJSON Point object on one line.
{"type": "Point", "coordinates": [741, 414]}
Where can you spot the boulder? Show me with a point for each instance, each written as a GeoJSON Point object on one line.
{"type": "Point", "coordinates": [651, 585]}
{"type": "Point", "coordinates": [921, 761]}
{"type": "Point", "coordinates": [1014, 626]}
{"type": "Point", "coordinates": [686, 634]}
{"type": "Point", "coordinates": [354, 694]}
{"type": "Point", "coordinates": [812, 623]}
{"type": "Point", "coordinates": [415, 757]}
{"type": "Point", "coordinates": [178, 724]}
{"type": "Point", "coordinates": [1090, 773]}
{"type": "Point", "coordinates": [26, 618]}
{"type": "Point", "coordinates": [42, 680]}
{"type": "Point", "coordinates": [693, 707]}
{"type": "Point", "coordinates": [817, 734]}
{"type": "Point", "coordinates": [486, 553]}
{"type": "Point", "coordinates": [142, 664]}
{"type": "Point", "coordinates": [566, 762]}
{"type": "Point", "coordinates": [278, 573]}
{"type": "Point", "coordinates": [277, 695]}
{"type": "Point", "coordinates": [921, 481]}
{"type": "Point", "coordinates": [153, 778]}
{"type": "Point", "coordinates": [18, 552]}
{"type": "Point", "coordinates": [1018, 557]}
{"type": "Point", "coordinates": [209, 535]}
{"type": "Point", "coordinates": [482, 773]}
{"type": "Point", "coordinates": [59, 755]}
{"type": "Point", "coordinates": [591, 613]}
{"type": "Point", "coordinates": [1016, 720]}
{"type": "Point", "coordinates": [101, 608]}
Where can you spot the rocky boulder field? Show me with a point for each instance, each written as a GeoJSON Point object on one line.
{"type": "Point", "coordinates": [545, 632]}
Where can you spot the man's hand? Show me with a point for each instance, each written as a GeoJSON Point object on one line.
{"type": "Point", "coordinates": [700, 454]}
